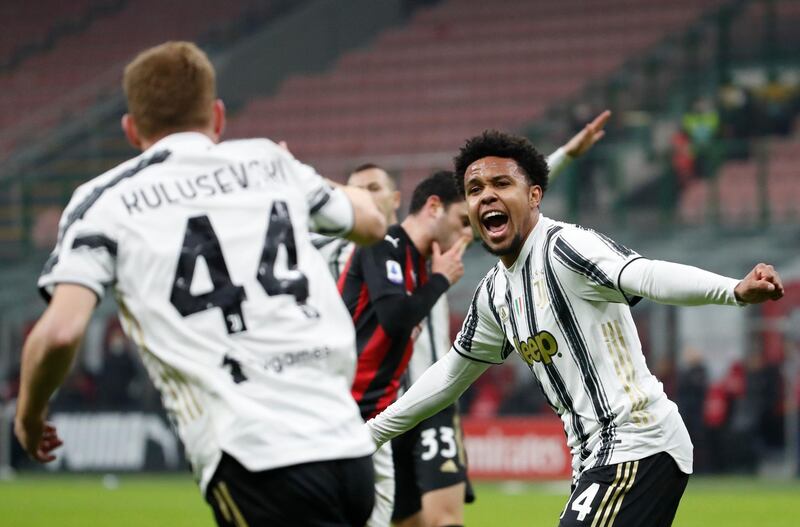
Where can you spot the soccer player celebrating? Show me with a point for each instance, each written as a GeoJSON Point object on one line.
{"type": "Point", "coordinates": [207, 249]}
{"type": "Point", "coordinates": [560, 298]}
{"type": "Point", "coordinates": [429, 462]}
{"type": "Point", "coordinates": [431, 483]}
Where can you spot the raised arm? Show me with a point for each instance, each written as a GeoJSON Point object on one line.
{"type": "Point", "coordinates": [578, 145]}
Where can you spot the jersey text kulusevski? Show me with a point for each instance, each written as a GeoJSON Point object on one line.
{"type": "Point", "coordinates": [240, 326]}
{"type": "Point", "coordinates": [560, 308]}
{"type": "Point", "coordinates": [253, 174]}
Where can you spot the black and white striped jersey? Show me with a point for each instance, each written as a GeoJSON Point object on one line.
{"type": "Point", "coordinates": [238, 322]}
{"type": "Point", "coordinates": [561, 309]}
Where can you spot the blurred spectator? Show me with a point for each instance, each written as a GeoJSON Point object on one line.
{"type": "Point", "coordinates": [78, 393]}
{"type": "Point", "coordinates": [736, 112]}
{"type": "Point", "coordinates": [116, 381]}
{"type": "Point", "coordinates": [682, 159]}
{"type": "Point", "coordinates": [692, 387]}
{"type": "Point", "coordinates": [777, 104]}
{"type": "Point", "coordinates": [491, 389]}
{"type": "Point", "coordinates": [701, 125]}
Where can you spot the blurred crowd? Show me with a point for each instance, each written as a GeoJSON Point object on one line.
{"type": "Point", "coordinates": [717, 128]}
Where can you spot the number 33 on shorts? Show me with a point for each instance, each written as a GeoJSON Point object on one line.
{"type": "Point", "coordinates": [445, 446]}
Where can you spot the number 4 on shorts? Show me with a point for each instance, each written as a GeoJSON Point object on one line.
{"type": "Point", "coordinates": [582, 504]}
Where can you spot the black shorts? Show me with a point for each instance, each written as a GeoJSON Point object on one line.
{"type": "Point", "coordinates": [429, 457]}
{"type": "Point", "coordinates": [643, 493]}
{"type": "Point", "coordinates": [336, 493]}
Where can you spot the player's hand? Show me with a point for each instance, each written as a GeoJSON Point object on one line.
{"type": "Point", "coordinates": [38, 438]}
{"type": "Point", "coordinates": [761, 284]}
{"type": "Point", "coordinates": [449, 263]}
{"type": "Point", "coordinates": [586, 138]}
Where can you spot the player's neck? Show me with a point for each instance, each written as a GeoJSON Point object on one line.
{"type": "Point", "coordinates": [150, 141]}
{"type": "Point", "coordinates": [509, 259]}
{"type": "Point", "coordinates": [419, 233]}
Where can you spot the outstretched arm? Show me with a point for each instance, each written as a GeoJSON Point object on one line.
{"type": "Point", "coordinates": [683, 285]}
{"type": "Point", "coordinates": [578, 145]}
{"type": "Point", "coordinates": [437, 388]}
{"type": "Point", "coordinates": [46, 359]}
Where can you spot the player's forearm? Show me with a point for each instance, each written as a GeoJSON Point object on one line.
{"type": "Point", "coordinates": [437, 388]}
{"type": "Point", "coordinates": [557, 162]}
{"type": "Point", "coordinates": [46, 360]}
{"type": "Point", "coordinates": [676, 284]}
{"type": "Point", "coordinates": [369, 225]}
{"type": "Point", "coordinates": [398, 314]}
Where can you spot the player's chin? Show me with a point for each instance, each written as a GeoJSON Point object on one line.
{"type": "Point", "coordinates": [498, 247]}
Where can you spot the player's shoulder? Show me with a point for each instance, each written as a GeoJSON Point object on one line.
{"type": "Point", "coordinates": [571, 233]}
{"type": "Point", "coordinates": [93, 193]}
{"type": "Point", "coordinates": [393, 243]}
{"type": "Point", "coordinates": [574, 237]}
{"type": "Point", "coordinates": [492, 281]}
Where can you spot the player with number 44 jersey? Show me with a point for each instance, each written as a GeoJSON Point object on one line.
{"type": "Point", "coordinates": [206, 247]}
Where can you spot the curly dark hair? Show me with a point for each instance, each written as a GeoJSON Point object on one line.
{"type": "Point", "coordinates": [492, 143]}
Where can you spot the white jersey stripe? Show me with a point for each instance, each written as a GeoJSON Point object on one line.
{"type": "Point", "coordinates": [565, 318]}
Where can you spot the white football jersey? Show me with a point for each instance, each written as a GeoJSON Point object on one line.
{"type": "Point", "coordinates": [335, 251]}
{"type": "Point", "coordinates": [561, 309]}
{"type": "Point", "coordinates": [238, 322]}
{"type": "Point", "coordinates": [432, 342]}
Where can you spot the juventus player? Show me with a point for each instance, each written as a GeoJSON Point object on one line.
{"type": "Point", "coordinates": [559, 297]}
{"type": "Point", "coordinates": [430, 461]}
{"type": "Point", "coordinates": [206, 247]}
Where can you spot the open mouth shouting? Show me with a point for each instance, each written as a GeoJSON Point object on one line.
{"type": "Point", "coordinates": [495, 223]}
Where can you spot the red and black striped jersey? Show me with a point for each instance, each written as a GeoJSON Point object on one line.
{"type": "Point", "coordinates": [388, 291]}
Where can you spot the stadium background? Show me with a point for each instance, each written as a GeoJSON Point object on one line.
{"type": "Point", "coordinates": [701, 165]}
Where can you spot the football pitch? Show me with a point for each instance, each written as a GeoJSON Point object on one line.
{"type": "Point", "coordinates": [153, 500]}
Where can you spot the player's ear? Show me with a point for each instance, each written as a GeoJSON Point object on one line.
{"type": "Point", "coordinates": [219, 119]}
{"type": "Point", "coordinates": [434, 206]}
{"type": "Point", "coordinates": [131, 133]}
{"type": "Point", "coordinates": [535, 196]}
{"type": "Point", "coordinates": [396, 200]}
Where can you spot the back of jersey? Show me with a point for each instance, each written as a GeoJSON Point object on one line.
{"type": "Point", "coordinates": [238, 321]}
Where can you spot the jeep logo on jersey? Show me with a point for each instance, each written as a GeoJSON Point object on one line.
{"type": "Point", "coordinates": [538, 348]}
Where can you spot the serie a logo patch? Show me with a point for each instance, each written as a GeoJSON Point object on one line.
{"type": "Point", "coordinates": [394, 273]}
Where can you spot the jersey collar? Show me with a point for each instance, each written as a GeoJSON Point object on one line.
{"type": "Point", "coordinates": [181, 140]}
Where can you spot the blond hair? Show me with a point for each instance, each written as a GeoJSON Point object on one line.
{"type": "Point", "coordinates": [170, 88]}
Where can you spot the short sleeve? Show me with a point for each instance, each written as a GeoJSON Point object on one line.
{"type": "Point", "coordinates": [329, 208]}
{"type": "Point", "coordinates": [481, 338]}
{"type": "Point", "coordinates": [85, 253]}
{"type": "Point", "coordinates": [589, 264]}
{"type": "Point", "coordinates": [382, 270]}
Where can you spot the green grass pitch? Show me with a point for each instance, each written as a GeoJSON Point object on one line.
{"type": "Point", "coordinates": [154, 500]}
